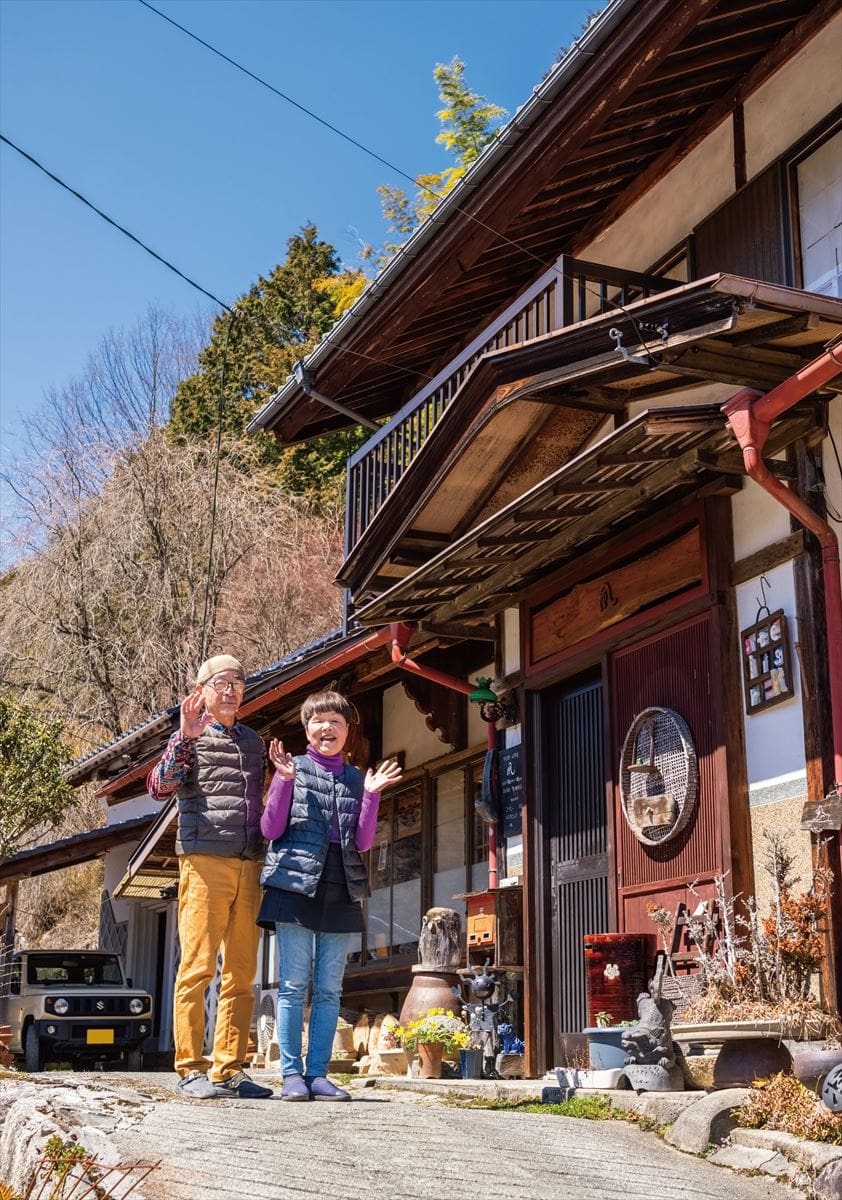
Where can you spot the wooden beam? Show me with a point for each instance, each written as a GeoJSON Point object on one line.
{"type": "Point", "coordinates": [614, 509]}
{"type": "Point", "coordinates": [760, 335]}
{"type": "Point", "coordinates": [713, 115]}
{"type": "Point", "coordinates": [770, 556]}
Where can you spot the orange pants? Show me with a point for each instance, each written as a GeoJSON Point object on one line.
{"type": "Point", "coordinates": [218, 902]}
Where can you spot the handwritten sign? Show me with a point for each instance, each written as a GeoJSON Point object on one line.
{"type": "Point", "coordinates": [510, 779]}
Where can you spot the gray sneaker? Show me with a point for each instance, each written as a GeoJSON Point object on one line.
{"type": "Point", "coordinates": [197, 1086]}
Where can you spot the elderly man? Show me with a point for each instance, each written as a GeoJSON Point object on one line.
{"type": "Point", "coordinates": [217, 768]}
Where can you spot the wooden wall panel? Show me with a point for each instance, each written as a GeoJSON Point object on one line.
{"type": "Point", "coordinates": [671, 670]}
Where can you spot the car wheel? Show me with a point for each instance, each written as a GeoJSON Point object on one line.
{"type": "Point", "coordinates": [33, 1053]}
{"type": "Point", "coordinates": [134, 1059]}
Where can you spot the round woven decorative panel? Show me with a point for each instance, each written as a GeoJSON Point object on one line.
{"type": "Point", "coordinates": [659, 776]}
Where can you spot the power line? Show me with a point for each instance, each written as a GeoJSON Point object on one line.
{"type": "Point", "coordinates": [126, 232]}
{"type": "Point", "coordinates": [390, 165]}
{"type": "Point", "coordinates": [261, 321]}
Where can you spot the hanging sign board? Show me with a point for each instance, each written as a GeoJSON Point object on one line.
{"type": "Point", "coordinates": [767, 662]}
{"type": "Point", "coordinates": [510, 779]}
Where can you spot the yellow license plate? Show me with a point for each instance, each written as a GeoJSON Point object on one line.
{"type": "Point", "coordinates": [100, 1037]}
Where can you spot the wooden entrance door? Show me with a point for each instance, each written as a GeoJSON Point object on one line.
{"type": "Point", "coordinates": [578, 843]}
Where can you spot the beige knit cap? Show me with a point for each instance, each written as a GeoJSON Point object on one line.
{"type": "Point", "coordinates": [220, 662]}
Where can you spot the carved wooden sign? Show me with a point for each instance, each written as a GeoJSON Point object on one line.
{"type": "Point", "coordinates": [594, 605]}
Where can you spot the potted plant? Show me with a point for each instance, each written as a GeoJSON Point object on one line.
{"type": "Point", "coordinates": [606, 1049]}
{"type": "Point", "coordinates": [755, 973]}
{"type": "Point", "coordinates": [435, 1031]}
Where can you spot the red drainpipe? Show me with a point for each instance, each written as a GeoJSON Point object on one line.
{"type": "Point", "coordinates": [401, 634]}
{"type": "Point", "coordinates": [750, 415]}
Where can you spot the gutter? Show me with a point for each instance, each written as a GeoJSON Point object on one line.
{"type": "Point", "coordinates": [750, 415]}
{"type": "Point", "coordinates": [614, 15]}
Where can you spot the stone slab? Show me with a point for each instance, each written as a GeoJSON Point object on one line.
{"type": "Point", "coordinates": [709, 1120]}
{"type": "Point", "coordinates": [815, 1156]}
{"type": "Point", "coordinates": [753, 1158]}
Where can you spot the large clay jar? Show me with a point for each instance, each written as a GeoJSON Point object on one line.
{"type": "Point", "coordinates": [430, 989]}
{"type": "Point", "coordinates": [429, 1055]}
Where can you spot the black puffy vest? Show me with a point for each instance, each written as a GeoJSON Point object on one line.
{"type": "Point", "coordinates": [295, 860]}
{"type": "Point", "coordinates": [220, 802]}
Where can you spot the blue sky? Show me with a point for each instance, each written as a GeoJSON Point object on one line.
{"type": "Point", "coordinates": [199, 161]}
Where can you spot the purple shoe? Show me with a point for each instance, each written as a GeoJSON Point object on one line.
{"type": "Point", "coordinates": [323, 1089]}
{"type": "Point", "coordinates": [295, 1088]}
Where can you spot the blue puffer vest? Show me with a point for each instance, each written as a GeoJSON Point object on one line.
{"type": "Point", "coordinates": [295, 860]}
{"type": "Point", "coordinates": [220, 802]}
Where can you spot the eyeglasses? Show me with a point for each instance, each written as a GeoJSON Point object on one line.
{"type": "Point", "coordinates": [221, 686]}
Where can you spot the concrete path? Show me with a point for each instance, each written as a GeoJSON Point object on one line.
{"type": "Point", "coordinates": [390, 1144]}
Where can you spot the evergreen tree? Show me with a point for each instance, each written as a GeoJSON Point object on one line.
{"type": "Point", "coordinates": [32, 760]}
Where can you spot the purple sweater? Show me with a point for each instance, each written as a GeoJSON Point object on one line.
{"type": "Point", "coordinates": [279, 802]}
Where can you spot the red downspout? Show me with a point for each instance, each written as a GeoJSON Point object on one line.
{"type": "Point", "coordinates": [401, 633]}
{"type": "Point", "coordinates": [750, 415]}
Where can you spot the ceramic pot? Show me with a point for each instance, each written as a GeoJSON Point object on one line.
{"type": "Point", "coordinates": [812, 1066]}
{"type": "Point", "coordinates": [429, 1054]}
{"type": "Point", "coordinates": [606, 1049]}
{"type": "Point", "coordinates": [429, 989]}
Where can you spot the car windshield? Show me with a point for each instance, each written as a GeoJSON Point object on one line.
{"type": "Point", "coordinates": [79, 970]}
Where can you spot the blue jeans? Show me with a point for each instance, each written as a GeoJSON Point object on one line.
{"type": "Point", "coordinates": [302, 951]}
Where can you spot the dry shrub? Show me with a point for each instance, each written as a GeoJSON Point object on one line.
{"type": "Point", "coordinates": [60, 911]}
{"type": "Point", "coordinates": [784, 1104]}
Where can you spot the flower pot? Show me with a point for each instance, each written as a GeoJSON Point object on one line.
{"type": "Point", "coordinates": [343, 1043]}
{"type": "Point", "coordinates": [812, 1066]}
{"type": "Point", "coordinates": [606, 1049]}
{"type": "Point", "coordinates": [470, 1062]}
{"type": "Point", "coordinates": [429, 1054]}
{"type": "Point", "coordinates": [393, 1062]}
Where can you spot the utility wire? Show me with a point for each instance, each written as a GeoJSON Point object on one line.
{"type": "Point", "coordinates": [126, 232]}
{"type": "Point", "coordinates": [262, 321]}
{"type": "Point", "coordinates": [387, 163]}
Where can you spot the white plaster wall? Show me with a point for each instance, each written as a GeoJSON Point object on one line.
{"type": "Point", "coordinates": [794, 99]}
{"type": "Point", "coordinates": [832, 477]}
{"type": "Point", "coordinates": [758, 520]}
{"type": "Point", "coordinates": [511, 641]}
{"type": "Point", "coordinates": [137, 806]}
{"type": "Point", "coordinates": [116, 862]}
{"type": "Point", "coordinates": [670, 210]}
{"type": "Point", "coordinates": [775, 738]}
{"type": "Point", "coordinates": [405, 728]}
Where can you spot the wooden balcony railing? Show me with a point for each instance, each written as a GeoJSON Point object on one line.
{"type": "Point", "coordinates": [565, 295]}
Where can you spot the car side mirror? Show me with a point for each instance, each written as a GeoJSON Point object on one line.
{"type": "Point", "coordinates": [129, 982]}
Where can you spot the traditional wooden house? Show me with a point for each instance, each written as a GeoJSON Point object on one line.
{"type": "Point", "coordinates": [556, 500]}
{"type": "Point", "coordinates": [656, 229]}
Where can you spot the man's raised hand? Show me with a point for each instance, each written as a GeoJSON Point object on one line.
{"type": "Point", "coordinates": [192, 719]}
{"type": "Point", "coordinates": [283, 762]}
{"type": "Point", "coordinates": [387, 773]}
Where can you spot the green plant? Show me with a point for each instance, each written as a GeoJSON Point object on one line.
{"type": "Point", "coordinates": [781, 1102]}
{"type": "Point", "coordinates": [435, 1025]}
{"type": "Point", "coordinates": [60, 1158]}
{"type": "Point", "coordinates": [604, 1019]}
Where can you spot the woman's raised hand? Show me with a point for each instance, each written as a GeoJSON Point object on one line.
{"type": "Point", "coordinates": [193, 721]}
{"type": "Point", "coordinates": [387, 773]}
{"type": "Point", "coordinates": [283, 763]}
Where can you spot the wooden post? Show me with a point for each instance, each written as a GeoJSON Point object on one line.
{"type": "Point", "coordinates": [815, 701]}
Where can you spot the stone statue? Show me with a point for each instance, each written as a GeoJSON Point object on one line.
{"type": "Point", "coordinates": [440, 943]}
{"type": "Point", "coordinates": [649, 1043]}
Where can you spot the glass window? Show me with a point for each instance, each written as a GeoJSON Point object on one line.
{"type": "Point", "coordinates": [449, 874]}
{"type": "Point", "coordinates": [820, 218]}
{"type": "Point", "coordinates": [479, 856]}
{"type": "Point", "coordinates": [394, 907]}
{"type": "Point", "coordinates": [83, 970]}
